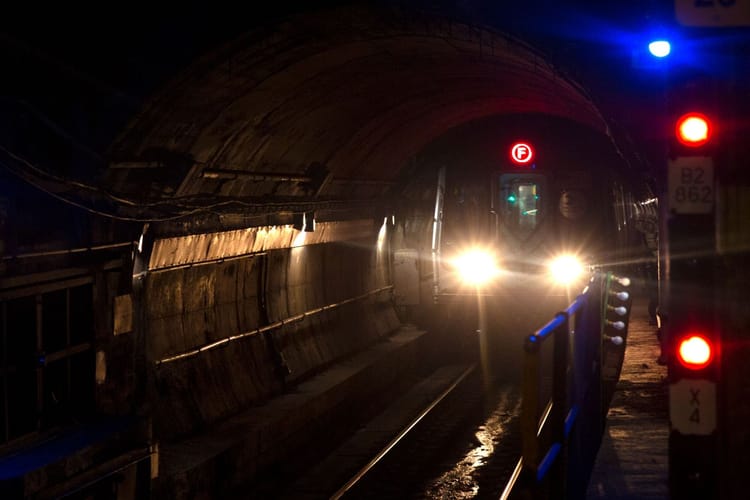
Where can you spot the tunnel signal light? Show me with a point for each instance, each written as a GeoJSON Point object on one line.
{"type": "Point", "coordinates": [695, 352]}
{"type": "Point", "coordinates": [659, 48]}
{"type": "Point", "coordinates": [693, 129]}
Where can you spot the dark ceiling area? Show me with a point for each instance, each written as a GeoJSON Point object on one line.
{"type": "Point", "coordinates": [319, 107]}
{"type": "Point", "coordinates": [173, 110]}
{"type": "Point", "coordinates": [358, 102]}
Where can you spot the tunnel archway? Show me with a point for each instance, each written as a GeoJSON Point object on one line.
{"type": "Point", "coordinates": [265, 176]}
{"type": "Point", "coordinates": [330, 106]}
{"type": "Point", "coordinates": [320, 117]}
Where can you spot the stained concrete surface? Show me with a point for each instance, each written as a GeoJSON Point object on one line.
{"type": "Point", "coordinates": [632, 461]}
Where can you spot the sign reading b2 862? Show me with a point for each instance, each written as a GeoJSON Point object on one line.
{"type": "Point", "coordinates": [691, 185]}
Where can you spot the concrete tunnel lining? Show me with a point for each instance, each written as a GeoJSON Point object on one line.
{"type": "Point", "coordinates": [395, 89]}
{"type": "Point", "coordinates": [360, 101]}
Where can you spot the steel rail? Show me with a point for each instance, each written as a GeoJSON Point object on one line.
{"type": "Point", "coordinates": [388, 447]}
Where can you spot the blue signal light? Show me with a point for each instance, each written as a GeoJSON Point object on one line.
{"type": "Point", "coordinates": [659, 48]}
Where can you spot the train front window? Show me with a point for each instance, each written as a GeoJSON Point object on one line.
{"type": "Point", "coordinates": [520, 202]}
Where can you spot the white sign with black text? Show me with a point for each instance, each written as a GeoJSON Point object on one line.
{"type": "Point", "coordinates": [692, 406]}
{"type": "Point", "coordinates": [691, 185]}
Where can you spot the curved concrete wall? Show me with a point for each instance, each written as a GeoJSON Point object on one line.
{"type": "Point", "coordinates": [190, 308]}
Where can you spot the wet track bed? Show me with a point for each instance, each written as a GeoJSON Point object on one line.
{"type": "Point", "coordinates": [466, 450]}
{"type": "Point", "coordinates": [465, 447]}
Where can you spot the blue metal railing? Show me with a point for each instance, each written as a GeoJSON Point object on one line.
{"type": "Point", "coordinates": [560, 441]}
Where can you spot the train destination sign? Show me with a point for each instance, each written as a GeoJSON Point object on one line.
{"type": "Point", "coordinates": [521, 153]}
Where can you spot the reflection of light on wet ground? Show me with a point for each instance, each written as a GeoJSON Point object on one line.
{"type": "Point", "coordinates": [462, 480]}
{"type": "Point", "coordinates": [485, 448]}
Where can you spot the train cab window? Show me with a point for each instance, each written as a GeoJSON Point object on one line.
{"type": "Point", "coordinates": [521, 202]}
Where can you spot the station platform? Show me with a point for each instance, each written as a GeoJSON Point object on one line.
{"type": "Point", "coordinates": [632, 462]}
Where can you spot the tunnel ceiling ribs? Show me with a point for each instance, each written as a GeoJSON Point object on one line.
{"type": "Point", "coordinates": [328, 108]}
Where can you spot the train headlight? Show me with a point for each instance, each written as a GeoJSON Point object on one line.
{"type": "Point", "coordinates": [476, 267]}
{"type": "Point", "coordinates": [566, 269]}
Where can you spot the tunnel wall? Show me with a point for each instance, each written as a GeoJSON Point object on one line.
{"type": "Point", "coordinates": [192, 307]}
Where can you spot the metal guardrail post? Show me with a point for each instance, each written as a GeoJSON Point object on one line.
{"type": "Point", "coordinates": [574, 419]}
{"type": "Point", "coordinates": [544, 428]}
{"type": "Point", "coordinates": [530, 409]}
{"type": "Point", "coordinates": [547, 434]}
{"type": "Point", "coordinates": [560, 402]}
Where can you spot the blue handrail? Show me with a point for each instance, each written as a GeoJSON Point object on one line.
{"type": "Point", "coordinates": [560, 318]}
{"type": "Point", "coordinates": [547, 330]}
{"type": "Point", "coordinates": [560, 440]}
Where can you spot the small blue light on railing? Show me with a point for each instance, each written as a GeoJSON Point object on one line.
{"type": "Point", "coordinates": [617, 325]}
{"type": "Point", "coordinates": [624, 281]}
{"type": "Point", "coordinates": [616, 340]}
{"type": "Point", "coordinates": [621, 295]}
{"type": "Point", "coordinates": [619, 310]}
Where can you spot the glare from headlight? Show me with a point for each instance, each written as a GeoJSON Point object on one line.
{"type": "Point", "coordinates": [566, 269]}
{"type": "Point", "coordinates": [476, 267]}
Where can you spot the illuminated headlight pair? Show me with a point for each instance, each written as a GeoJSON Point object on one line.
{"type": "Point", "coordinates": [478, 267]}
{"type": "Point", "coordinates": [566, 269]}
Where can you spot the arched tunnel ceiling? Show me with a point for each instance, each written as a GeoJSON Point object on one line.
{"type": "Point", "coordinates": [343, 98]}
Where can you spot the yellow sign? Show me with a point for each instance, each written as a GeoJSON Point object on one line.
{"type": "Point", "coordinates": [713, 13]}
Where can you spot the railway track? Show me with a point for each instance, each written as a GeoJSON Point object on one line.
{"type": "Point", "coordinates": [450, 436]}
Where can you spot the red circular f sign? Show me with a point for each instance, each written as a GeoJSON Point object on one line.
{"type": "Point", "coordinates": [521, 153]}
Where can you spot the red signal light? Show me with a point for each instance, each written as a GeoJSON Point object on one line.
{"type": "Point", "coordinates": [693, 129]}
{"type": "Point", "coordinates": [695, 352]}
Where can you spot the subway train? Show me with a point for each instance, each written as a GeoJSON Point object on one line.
{"type": "Point", "coordinates": [524, 209]}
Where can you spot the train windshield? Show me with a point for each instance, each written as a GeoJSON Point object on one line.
{"type": "Point", "coordinates": [520, 202]}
